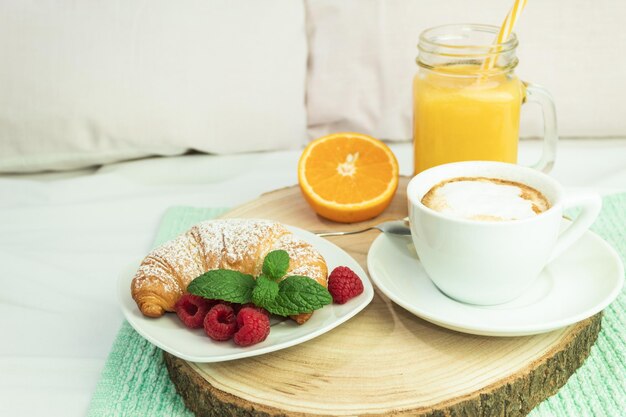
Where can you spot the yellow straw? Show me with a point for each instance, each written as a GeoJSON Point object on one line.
{"type": "Point", "coordinates": [505, 31]}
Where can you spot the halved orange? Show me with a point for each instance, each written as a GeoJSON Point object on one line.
{"type": "Point", "coordinates": [348, 177]}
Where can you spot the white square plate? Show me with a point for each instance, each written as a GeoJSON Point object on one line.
{"type": "Point", "coordinates": [169, 334]}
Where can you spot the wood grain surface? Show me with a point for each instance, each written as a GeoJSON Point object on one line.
{"type": "Point", "coordinates": [384, 361]}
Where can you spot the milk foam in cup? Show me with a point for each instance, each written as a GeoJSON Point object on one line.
{"type": "Point", "coordinates": [485, 199]}
{"type": "Point", "coordinates": [484, 230]}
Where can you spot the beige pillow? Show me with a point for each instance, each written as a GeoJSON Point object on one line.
{"type": "Point", "coordinates": [362, 60]}
{"type": "Point", "coordinates": [92, 81]}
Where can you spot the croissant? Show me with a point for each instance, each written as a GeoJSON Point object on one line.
{"type": "Point", "coordinates": [238, 244]}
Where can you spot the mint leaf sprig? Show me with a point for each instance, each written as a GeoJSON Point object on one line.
{"type": "Point", "coordinates": [223, 284]}
{"type": "Point", "coordinates": [281, 296]}
{"type": "Point", "coordinates": [276, 264]}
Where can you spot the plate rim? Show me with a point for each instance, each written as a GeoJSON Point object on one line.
{"type": "Point", "coordinates": [123, 290]}
{"type": "Point", "coordinates": [498, 330]}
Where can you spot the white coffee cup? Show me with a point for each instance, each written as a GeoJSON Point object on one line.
{"type": "Point", "coordinates": [483, 262]}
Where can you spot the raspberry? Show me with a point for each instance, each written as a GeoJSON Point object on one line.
{"type": "Point", "coordinates": [344, 284]}
{"type": "Point", "coordinates": [254, 326]}
{"type": "Point", "coordinates": [191, 310]}
{"type": "Point", "coordinates": [220, 322]}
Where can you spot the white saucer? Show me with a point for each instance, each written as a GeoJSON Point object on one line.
{"type": "Point", "coordinates": [578, 284]}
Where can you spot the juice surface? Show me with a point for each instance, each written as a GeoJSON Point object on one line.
{"type": "Point", "coordinates": [460, 116]}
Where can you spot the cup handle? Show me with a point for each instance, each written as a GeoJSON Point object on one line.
{"type": "Point", "coordinates": [590, 205]}
{"type": "Point", "coordinates": [538, 94]}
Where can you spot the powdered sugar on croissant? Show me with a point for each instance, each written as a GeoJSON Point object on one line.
{"type": "Point", "coordinates": [238, 244]}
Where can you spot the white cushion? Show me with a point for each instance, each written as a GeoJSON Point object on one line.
{"type": "Point", "coordinates": [362, 60]}
{"type": "Point", "coordinates": [93, 81]}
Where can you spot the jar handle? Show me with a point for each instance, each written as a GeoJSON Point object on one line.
{"type": "Point", "coordinates": [538, 94]}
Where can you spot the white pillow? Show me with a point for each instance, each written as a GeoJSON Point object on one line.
{"type": "Point", "coordinates": [362, 61]}
{"type": "Point", "coordinates": [93, 81]}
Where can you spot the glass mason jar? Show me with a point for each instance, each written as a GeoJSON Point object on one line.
{"type": "Point", "coordinates": [467, 99]}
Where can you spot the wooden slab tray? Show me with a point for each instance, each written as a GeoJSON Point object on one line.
{"type": "Point", "coordinates": [385, 360]}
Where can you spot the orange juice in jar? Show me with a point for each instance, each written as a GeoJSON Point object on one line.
{"type": "Point", "coordinates": [463, 111]}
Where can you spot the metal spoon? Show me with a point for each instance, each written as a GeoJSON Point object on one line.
{"type": "Point", "coordinates": [395, 227]}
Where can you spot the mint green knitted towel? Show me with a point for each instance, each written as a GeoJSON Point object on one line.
{"type": "Point", "coordinates": [135, 382]}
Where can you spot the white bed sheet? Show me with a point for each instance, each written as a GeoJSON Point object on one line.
{"type": "Point", "coordinates": [64, 238]}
